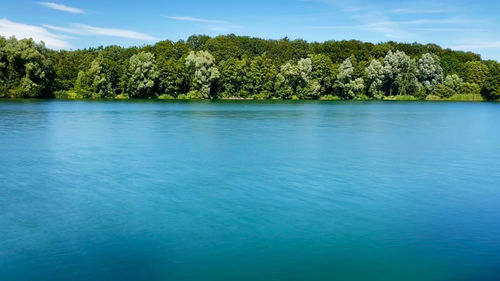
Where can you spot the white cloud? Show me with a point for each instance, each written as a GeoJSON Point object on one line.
{"type": "Point", "coordinates": [21, 31]}
{"type": "Point", "coordinates": [84, 29]}
{"type": "Point", "coordinates": [192, 19]}
{"type": "Point", "coordinates": [213, 25]}
{"type": "Point", "coordinates": [380, 23]}
{"type": "Point", "coordinates": [414, 10]}
{"type": "Point", "coordinates": [478, 45]}
{"type": "Point", "coordinates": [65, 29]}
{"type": "Point", "coordinates": [115, 32]}
{"type": "Point", "coordinates": [61, 7]}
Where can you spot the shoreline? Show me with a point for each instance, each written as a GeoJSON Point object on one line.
{"type": "Point", "coordinates": [387, 99]}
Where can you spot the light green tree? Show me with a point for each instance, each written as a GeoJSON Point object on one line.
{"type": "Point", "coordinates": [430, 72]}
{"type": "Point", "coordinates": [375, 74]}
{"type": "Point", "coordinates": [454, 82]}
{"type": "Point", "coordinates": [25, 69]}
{"type": "Point", "coordinates": [349, 87]}
{"type": "Point", "coordinates": [94, 82]}
{"type": "Point", "coordinates": [141, 76]}
{"type": "Point", "coordinates": [202, 63]}
{"type": "Point", "coordinates": [293, 79]}
{"type": "Point", "coordinates": [401, 74]}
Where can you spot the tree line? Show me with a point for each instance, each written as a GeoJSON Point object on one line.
{"type": "Point", "coordinates": [233, 66]}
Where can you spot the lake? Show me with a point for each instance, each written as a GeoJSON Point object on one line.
{"type": "Point", "coordinates": [249, 190]}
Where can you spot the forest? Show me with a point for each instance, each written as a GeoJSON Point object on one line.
{"type": "Point", "coordinates": [240, 67]}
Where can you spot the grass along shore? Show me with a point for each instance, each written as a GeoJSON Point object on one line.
{"type": "Point", "coordinates": [69, 95]}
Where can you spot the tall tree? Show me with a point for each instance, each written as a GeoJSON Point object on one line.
{"type": "Point", "coordinates": [430, 72]}
{"type": "Point", "coordinates": [491, 89]}
{"type": "Point", "coordinates": [375, 73]}
{"type": "Point", "coordinates": [261, 77]}
{"type": "Point", "coordinates": [401, 74]}
{"type": "Point", "coordinates": [476, 72]}
{"type": "Point", "coordinates": [323, 73]}
{"type": "Point", "coordinates": [202, 64]}
{"type": "Point", "coordinates": [348, 86]}
{"type": "Point", "coordinates": [94, 82]}
{"type": "Point", "coordinates": [234, 77]}
{"type": "Point", "coordinates": [141, 76]}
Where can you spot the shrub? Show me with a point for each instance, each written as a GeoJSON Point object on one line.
{"type": "Point", "coordinates": [470, 88]}
{"type": "Point", "coordinates": [443, 91]}
{"type": "Point", "coordinates": [194, 95]}
{"type": "Point", "coordinates": [165, 97]}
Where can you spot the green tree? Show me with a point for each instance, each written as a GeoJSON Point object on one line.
{"type": "Point", "coordinates": [25, 69]}
{"type": "Point", "coordinates": [174, 77]}
{"type": "Point", "coordinates": [454, 82]}
{"type": "Point", "coordinates": [202, 64]}
{"type": "Point", "coordinates": [261, 77]}
{"type": "Point", "coordinates": [430, 72]}
{"type": "Point", "coordinates": [94, 82]}
{"type": "Point", "coordinates": [401, 74]}
{"type": "Point", "coordinates": [476, 72]}
{"type": "Point", "coordinates": [141, 76]}
{"type": "Point", "coordinates": [323, 73]}
{"type": "Point", "coordinates": [234, 77]}
{"type": "Point", "coordinates": [491, 89]}
{"type": "Point", "coordinates": [443, 91]}
{"type": "Point", "coordinates": [293, 80]}
{"type": "Point", "coordinates": [470, 89]}
{"type": "Point", "coordinates": [375, 73]}
{"type": "Point", "coordinates": [349, 88]}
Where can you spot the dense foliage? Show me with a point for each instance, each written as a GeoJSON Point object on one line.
{"type": "Point", "coordinates": [243, 67]}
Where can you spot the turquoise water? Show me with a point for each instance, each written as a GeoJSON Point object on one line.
{"type": "Point", "coordinates": [249, 191]}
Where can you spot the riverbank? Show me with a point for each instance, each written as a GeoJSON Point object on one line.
{"type": "Point", "coordinates": [458, 97]}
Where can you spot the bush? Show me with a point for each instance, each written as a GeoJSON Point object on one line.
{"type": "Point", "coordinates": [470, 89]}
{"type": "Point", "coordinates": [68, 95]}
{"type": "Point", "coordinates": [421, 92]}
{"type": "Point", "coordinates": [194, 95]}
{"type": "Point", "coordinates": [443, 91]}
{"type": "Point", "coordinates": [363, 97]}
{"type": "Point", "coordinates": [329, 97]}
{"type": "Point", "coordinates": [466, 97]}
{"type": "Point", "coordinates": [433, 97]}
{"type": "Point", "coordinates": [122, 97]}
{"type": "Point", "coordinates": [165, 97]}
{"type": "Point", "coordinates": [491, 89]}
{"type": "Point", "coordinates": [262, 96]}
{"type": "Point", "coordinates": [401, 98]}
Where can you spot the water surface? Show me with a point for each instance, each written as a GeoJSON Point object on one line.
{"type": "Point", "coordinates": [249, 191]}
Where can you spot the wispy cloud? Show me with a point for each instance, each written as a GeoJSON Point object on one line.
{"type": "Point", "coordinates": [479, 45]}
{"type": "Point", "coordinates": [65, 29]}
{"type": "Point", "coordinates": [403, 20]}
{"type": "Point", "coordinates": [84, 29]}
{"type": "Point", "coordinates": [192, 19]}
{"type": "Point", "coordinates": [61, 7]}
{"type": "Point", "coordinates": [211, 24]}
{"type": "Point", "coordinates": [380, 23]}
{"type": "Point", "coordinates": [124, 33]}
{"type": "Point", "coordinates": [414, 10]}
{"type": "Point", "coordinates": [21, 31]}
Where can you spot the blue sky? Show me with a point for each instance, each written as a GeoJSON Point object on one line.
{"type": "Point", "coordinates": [465, 25]}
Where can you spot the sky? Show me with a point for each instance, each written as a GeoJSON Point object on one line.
{"type": "Point", "coordinates": [462, 25]}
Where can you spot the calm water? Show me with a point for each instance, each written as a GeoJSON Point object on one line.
{"type": "Point", "coordinates": [249, 191]}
